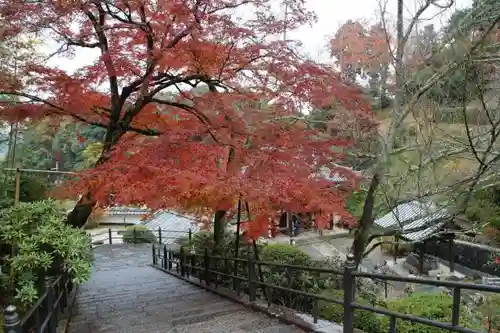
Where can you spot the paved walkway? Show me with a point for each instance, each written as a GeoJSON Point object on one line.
{"type": "Point", "coordinates": [125, 295]}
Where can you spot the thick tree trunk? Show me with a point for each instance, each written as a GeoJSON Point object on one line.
{"type": "Point", "coordinates": [81, 212]}
{"type": "Point", "coordinates": [365, 223]}
{"type": "Point", "coordinates": [83, 208]}
{"type": "Point", "coordinates": [238, 225]}
{"type": "Point", "coordinates": [362, 234]}
{"type": "Point", "coordinates": [219, 227]}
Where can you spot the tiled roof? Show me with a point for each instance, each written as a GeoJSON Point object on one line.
{"type": "Point", "coordinates": [416, 220]}
{"type": "Point", "coordinates": [404, 214]}
{"type": "Point", "coordinates": [173, 226]}
{"type": "Point", "coordinates": [127, 210]}
{"type": "Point", "coordinates": [433, 222]}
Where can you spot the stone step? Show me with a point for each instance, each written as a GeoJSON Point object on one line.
{"type": "Point", "coordinates": [124, 296]}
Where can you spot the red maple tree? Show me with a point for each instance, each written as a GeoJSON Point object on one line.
{"type": "Point", "coordinates": [359, 49]}
{"type": "Point", "coordinates": [171, 147]}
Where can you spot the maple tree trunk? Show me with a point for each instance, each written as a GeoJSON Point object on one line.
{"type": "Point", "coordinates": [81, 212]}
{"type": "Point", "coordinates": [238, 225]}
{"type": "Point", "coordinates": [83, 208]}
{"type": "Point", "coordinates": [218, 227]}
{"type": "Point", "coordinates": [363, 232]}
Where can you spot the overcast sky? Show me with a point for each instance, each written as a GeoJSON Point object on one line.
{"type": "Point", "coordinates": [331, 14]}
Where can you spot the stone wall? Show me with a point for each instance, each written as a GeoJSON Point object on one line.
{"type": "Point", "coordinates": [475, 256]}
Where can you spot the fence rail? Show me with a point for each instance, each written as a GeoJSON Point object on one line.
{"type": "Point", "coordinates": [44, 315]}
{"type": "Point", "coordinates": [244, 275]}
{"type": "Point", "coordinates": [138, 235]}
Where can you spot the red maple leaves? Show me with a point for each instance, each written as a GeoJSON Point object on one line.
{"type": "Point", "coordinates": [201, 107]}
{"type": "Point", "coordinates": [361, 49]}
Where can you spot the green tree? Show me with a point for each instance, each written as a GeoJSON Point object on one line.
{"type": "Point", "coordinates": [32, 188]}
{"type": "Point", "coordinates": [41, 146]}
{"type": "Point", "coordinates": [35, 242]}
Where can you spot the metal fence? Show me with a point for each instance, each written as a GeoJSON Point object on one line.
{"type": "Point", "coordinates": [135, 235]}
{"type": "Point", "coordinates": [44, 315]}
{"type": "Point", "coordinates": [243, 276]}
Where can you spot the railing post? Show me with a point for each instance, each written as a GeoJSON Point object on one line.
{"type": "Point", "coordinates": [67, 286]}
{"type": "Point", "coordinates": [190, 235]}
{"type": "Point", "coordinates": [159, 235]}
{"type": "Point", "coordinates": [251, 279]}
{"type": "Point", "coordinates": [165, 256]}
{"type": "Point", "coordinates": [170, 259]}
{"type": "Point", "coordinates": [110, 236]}
{"type": "Point", "coordinates": [50, 300]}
{"type": "Point", "coordinates": [11, 321]}
{"type": "Point", "coordinates": [135, 236]}
{"type": "Point", "coordinates": [349, 285]}
{"type": "Point", "coordinates": [181, 261]}
{"type": "Point", "coordinates": [154, 253]}
{"type": "Point", "coordinates": [206, 266]}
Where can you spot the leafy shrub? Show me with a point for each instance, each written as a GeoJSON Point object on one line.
{"type": "Point", "coordinates": [452, 115]}
{"type": "Point", "coordinates": [35, 242]}
{"type": "Point", "coordinates": [32, 188]}
{"type": "Point", "coordinates": [491, 311]}
{"type": "Point", "coordinates": [138, 234]}
{"type": "Point", "coordinates": [290, 278]}
{"type": "Point", "coordinates": [364, 320]}
{"type": "Point", "coordinates": [365, 287]}
{"type": "Point", "coordinates": [205, 240]}
{"type": "Point", "coordinates": [389, 248]}
{"type": "Point", "coordinates": [434, 306]}
{"type": "Point", "coordinates": [276, 253]}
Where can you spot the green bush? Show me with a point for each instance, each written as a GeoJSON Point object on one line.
{"type": "Point", "coordinates": [35, 242]}
{"type": "Point", "coordinates": [301, 280]}
{"type": "Point", "coordinates": [278, 253]}
{"type": "Point", "coordinates": [32, 188]}
{"type": "Point", "coordinates": [434, 306]}
{"type": "Point", "coordinates": [452, 115]}
{"type": "Point", "coordinates": [138, 234]}
{"type": "Point", "coordinates": [205, 240]}
{"type": "Point", "coordinates": [366, 288]}
{"type": "Point", "coordinates": [364, 320]}
{"type": "Point", "coordinates": [388, 248]}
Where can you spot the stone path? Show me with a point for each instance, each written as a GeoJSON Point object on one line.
{"type": "Point", "coordinates": [125, 295]}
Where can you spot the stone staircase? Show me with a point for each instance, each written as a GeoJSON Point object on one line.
{"type": "Point", "coordinates": [125, 295]}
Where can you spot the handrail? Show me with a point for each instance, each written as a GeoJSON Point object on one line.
{"type": "Point", "coordinates": [159, 235]}
{"type": "Point", "coordinates": [43, 316]}
{"type": "Point", "coordinates": [241, 275]}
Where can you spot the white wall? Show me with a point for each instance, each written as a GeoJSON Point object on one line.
{"type": "Point", "coordinates": [121, 219]}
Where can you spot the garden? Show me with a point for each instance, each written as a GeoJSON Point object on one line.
{"type": "Point", "coordinates": [431, 305]}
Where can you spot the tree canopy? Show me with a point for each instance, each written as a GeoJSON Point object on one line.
{"type": "Point", "coordinates": [168, 146]}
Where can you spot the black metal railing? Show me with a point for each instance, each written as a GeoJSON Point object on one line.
{"type": "Point", "coordinates": [138, 235]}
{"type": "Point", "coordinates": [44, 315]}
{"type": "Point", "coordinates": [244, 276]}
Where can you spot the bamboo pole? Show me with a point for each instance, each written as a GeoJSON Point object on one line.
{"type": "Point", "coordinates": [18, 188]}
{"type": "Point", "coordinates": [40, 171]}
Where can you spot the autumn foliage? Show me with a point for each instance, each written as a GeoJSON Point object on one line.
{"type": "Point", "coordinates": [359, 49]}
{"type": "Point", "coordinates": [201, 107]}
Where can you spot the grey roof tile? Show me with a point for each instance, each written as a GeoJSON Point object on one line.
{"type": "Point", "coordinates": [123, 210]}
{"type": "Point", "coordinates": [173, 225]}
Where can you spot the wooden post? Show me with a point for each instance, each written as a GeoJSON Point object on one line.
{"type": "Point", "coordinates": [451, 253]}
{"type": "Point", "coordinates": [396, 248]}
{"type": "Point", "coordinates": [289, 224]}
{"type": "Point", "coordinates": [18, 188]}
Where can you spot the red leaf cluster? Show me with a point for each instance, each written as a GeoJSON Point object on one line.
{"type": "Point", "coordinates": [238, 130]}
{"type": "Point", "coordinates": [361, 48]}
